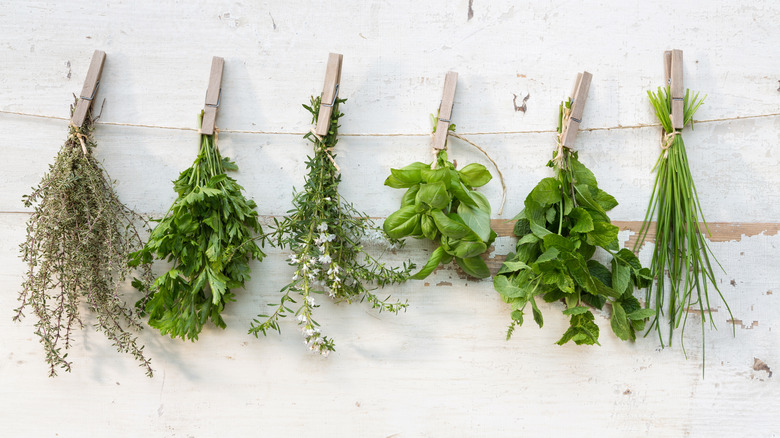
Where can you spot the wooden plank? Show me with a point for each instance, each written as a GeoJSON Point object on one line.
{"type": "Point", "coordinates": [445, 110]}
{"type": "Point", "coordinates": [213, 96]}
{"type": "Point", "coordinates": [579, 97]}
{"type": "Point", "coordinates": [330, 92]}
{"type": "Point", "coordinates": [89, 90]}
{"type": "Point", "coordinates": [677, 89]}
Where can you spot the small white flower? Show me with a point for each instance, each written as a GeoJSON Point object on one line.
{"type": "Point", "coordinates": [293, 259]}
{"type": "Point", "coordinates": [309, 333]}
{"type": "Point", "coordinates": [321, 248]}
{"type": "Point", "coordinates": [296, 277]}
{"type": "Point", "coordinates": [310, 300]}
{"type": "Point", "coordinates": [327, 198]}
{"type": "Point", "coordinates": [325, 352]}
{"type": "Point", "coordinates": [322, 227]}
{"type": "Point", "coordinates": [318, 241]}
{"type": "Point", "coordinates": [331, 237]}
{"type": "Point", "coordinates": [332, 294]}
{"type": "Point", "coordinates": [324, 259]}
{"type": "Point", "coordinates": [302, 319]}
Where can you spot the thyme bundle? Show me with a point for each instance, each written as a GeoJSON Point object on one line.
{"type": "Point", "coordinates": [208, 236]}
{"type": "Point", "coordinates": [440, 204]}
{"type": "Point", "coordinates": [562, 224]}
{"type": "Point", "coordinates": [78, 240]}
{"type": "Point", "coordinates": [680, 247]}
{"type": "Point", "coordinates": [325, 234]}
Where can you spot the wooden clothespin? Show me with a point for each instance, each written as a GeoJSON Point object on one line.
{"type": "Point", "coordinates": [578, 95]}
{"type": "Point", "coordinates": [91, 85]}
{"type": "Point", "coordinates": [673, 74]}
{"type": "Point", "coordinates": [330, 92]}
{"type": "Point", "coordinates": [213, 97]}
{"type": "Point", "coordinates": [445, 110]}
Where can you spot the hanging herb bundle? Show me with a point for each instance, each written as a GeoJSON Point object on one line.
{"type": "Point", "coordinates": [78, 240]}
{"type": "Point", "coordinates": [680, 248]}
{"type": "Point", "coordinates": [562, 224]}
{"type": "Point", "coordinates": [440, 204]}
{"type": "Point", "coordinates": [208, 236]}
{"type": "Point", "coordinates": [324, 233]}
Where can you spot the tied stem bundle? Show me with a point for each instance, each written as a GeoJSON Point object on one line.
{"type": "Point", "coordinates": [208, 236]}
{"type": "Point", "coordinates": [562, 225]}
{"type": "Point", "coordinates": [326, 237]}
{"type": "Point", "coordinates": [78, 239]}
{"type": "Point", "coordinates": [680, 247]}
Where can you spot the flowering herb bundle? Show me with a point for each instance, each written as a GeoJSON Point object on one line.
{"type": "Point", "coordinates": [208, 236]}
{"type": "Point", "coordinates": [440, 204]}
{"type": "Point", "coordinates": [680, 248]}
{"type": "Point", "coordinates": [562, 224]}
{"type": "Point", "coordinates": [325, 234]}
{"type": "Point", "coordinates": [78, 240]}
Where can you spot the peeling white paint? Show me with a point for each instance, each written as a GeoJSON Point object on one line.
{"type": "Point", "coordinates": [442, 368]}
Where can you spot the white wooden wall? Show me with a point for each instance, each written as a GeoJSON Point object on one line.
{"type": "Point", "coordinates": [443, 368]}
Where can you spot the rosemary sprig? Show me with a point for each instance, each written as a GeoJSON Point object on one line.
{"type": "Point", "coordinates": [680, 247]}
{"type": "Point", "coordinates": [325, 234]}
{"type": "Point", "coordinates": [78, 240]}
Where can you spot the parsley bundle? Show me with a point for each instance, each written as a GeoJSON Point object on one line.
{"type": "Point", "coordinates": [325, 234]}
{"type": "Point", "coordinates": [440, 204]}
{"type": "Point", "coordinates": [562, 224]}
{"type": "Point", "coordinates": [208, 236]}
{"type": "Point", "coordinates": [78, 240]}
{"type": "Point", "coordinates": [680, 247]}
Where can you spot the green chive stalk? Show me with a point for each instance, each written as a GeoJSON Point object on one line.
{"type": "Point", "coordinates": [680, 248]}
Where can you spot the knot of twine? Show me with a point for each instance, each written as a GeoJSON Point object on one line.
{"type": "Point", "coordinates": [328, 151]}
{"type": "Point", "coordinates": [667, 140]}
{"type": "Point", "coordinates": [80, 137]}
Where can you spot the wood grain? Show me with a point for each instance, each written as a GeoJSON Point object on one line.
{"type": "Point", "coordinates": [330, 92]}
{"type": "Point", "coordinates": [213, 96]}
{"type": "Point", "coordinates": [579, 98]}
{"type": "Point", "coordinates": [445, 110]}
{"type": "Point", "coordinates": [89, 90]}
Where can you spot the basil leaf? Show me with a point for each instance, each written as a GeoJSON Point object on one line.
{"type": "Point", "coordinates": [475, 175]}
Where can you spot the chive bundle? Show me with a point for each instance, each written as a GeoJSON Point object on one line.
{"type": "Point", "coordinates": [680, 248]}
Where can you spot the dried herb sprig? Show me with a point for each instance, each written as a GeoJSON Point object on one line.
{"type": "Point", "coordinates": [208, 235]}
{"type": "Point", "coordinates": [562, 224]}
{"type": "Point", "coordinates": [680, 247]}
{"type": "Point", "coordinates": [78, 240]}
{"type": "Point", "coordinates": [326, 234]}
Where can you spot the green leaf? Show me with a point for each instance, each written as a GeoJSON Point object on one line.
{"type": "Point", "coordinates": [474, 266]}
{"type": "Point", "coordinates": [557, 241]}
{"type": "Point", "coordinates": [582, 221]}
{"type": "Point", "coordinates": [621, 276]}
{"type": "Point", "coordinates": [547, 192]}
{"type": "Point", "coordinates": [538, 318]}
{"type": "Point", "coordinates": [466, 249]}
{"type": "Point", "coordinates": [575, 310]}
{"type": "Point", "coordinates": [619, 322]}
{"type": "Point", "coordinates": [433, 175]}
{"type": "Point", "coordinates": [449, 227]}
{"type": "Point", "coordinates": [428, 227]}
{"type": "Point", "coordinates": [433, 194]}
{"type": "Point", "coordinates": [476, 218]}
{"type": "Point", "coordinates": [401, 223]}
{"type": "Point", "coordinates": [514, 266]}
{"type": "Point", "coordinates": [522, 227]}
{"type": "Point", "coordinates": [600, 272]}
{"type": "Point", "coordinates": [503, 286]}
{"type": "Point", "coordinates": [641, 314]}
{"type": "Point", "coordinates": [604, 199]}
{"type": "Point", "coordinates": [407, 177]}
{"type": "Point", "coordinates": [410, 195]}
{"type": "Point", "coordinates": [475, 175]}
{"type": "Point", "coordinates": [430, 265]}
{"type": "Point", "coordinates": [603, 234]}
{"type": "Point", "coordinates": [582, 175]}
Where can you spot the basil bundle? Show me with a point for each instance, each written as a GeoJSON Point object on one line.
{"type": "Point", "coordinates": [441, 205]}
{"type": "Point", "coordinates": [208, 236]}
{"type": "Point", "coordinates": [562, 224]}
